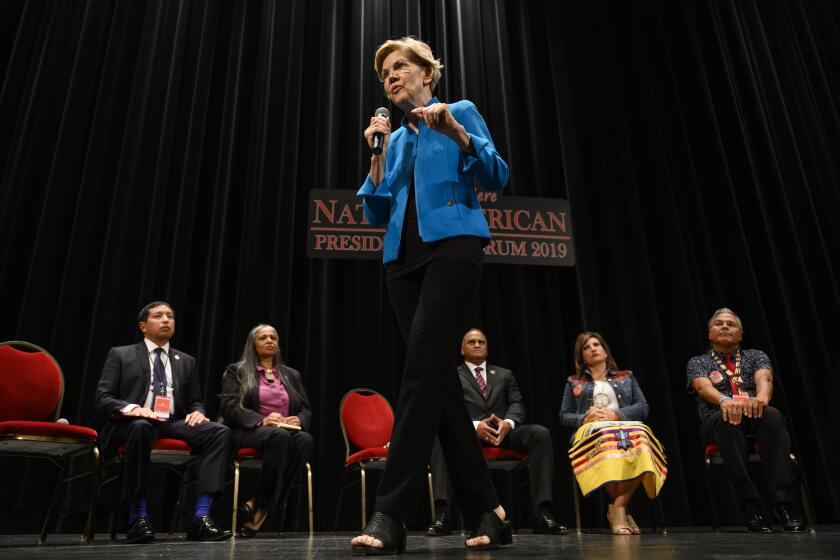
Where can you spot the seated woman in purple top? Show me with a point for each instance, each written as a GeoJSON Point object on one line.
{"type": "Point", "coordinates": [259, 395]}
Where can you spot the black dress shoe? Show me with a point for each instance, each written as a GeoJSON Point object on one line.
{"type": "Point", "coordinates": [140, 532]}
{"type": "Point", "coordinates": [791, 521]}
{"type": "Point", "coordinates": [204, 529]}
{"type": "Point", "coordinates": [441, 526]}
{"type": "Point", "coordinates": [546, 525]}
{"type": "Point", "coordinates": [753, 518]}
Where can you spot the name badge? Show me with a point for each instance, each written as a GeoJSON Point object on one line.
{"type": "Point", "coordinates": [162, 406]}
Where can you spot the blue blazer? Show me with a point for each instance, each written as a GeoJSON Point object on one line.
{"type": "Point", "coordinates": [632, 404]}
{"type": "Point", "coordinates": [444, 179]}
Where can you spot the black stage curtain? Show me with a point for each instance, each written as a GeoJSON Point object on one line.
{"type": "Point", "coordinates": [165, 149]}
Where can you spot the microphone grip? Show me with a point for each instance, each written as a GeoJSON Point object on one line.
{"type": "Point", "coordinates": [378, 142]}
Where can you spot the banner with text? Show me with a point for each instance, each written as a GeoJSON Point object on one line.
{"type": "Point", "coordinates": [525, 230]}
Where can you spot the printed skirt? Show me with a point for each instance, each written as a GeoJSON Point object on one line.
{"type": "Point", "coordinates": [604, 452]}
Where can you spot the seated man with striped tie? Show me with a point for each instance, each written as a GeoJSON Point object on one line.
{"type": "Point", "coordinates": [496, 408]}
{"type": "Point", "coordinates": [150, 390]}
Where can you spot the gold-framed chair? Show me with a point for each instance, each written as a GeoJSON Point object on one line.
{"type": "Point", "coordinates": [252, 457]}
{"type": "Point", "coordinates": [31, 394]}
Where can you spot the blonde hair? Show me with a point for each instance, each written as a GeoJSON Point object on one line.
{"type": "Point", "coordinates": [582, 339]}
{"type": "Point", "coordinates": [417, 51]}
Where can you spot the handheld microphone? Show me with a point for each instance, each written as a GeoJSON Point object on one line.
{"type": "Point", "coordinates": [378, 137]}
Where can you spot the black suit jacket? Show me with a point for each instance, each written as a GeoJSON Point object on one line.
{"type": "Point", "coordinates": [245, 415]}
{"type": "Point", "coordinates": [503, 396]}
{"type": "Point", "coordinates": [127, 376]}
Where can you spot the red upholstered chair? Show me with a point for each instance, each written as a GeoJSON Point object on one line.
{"type": "Point", "coordinates": [173, 454]}
{"type": "Point", "coordinates": [252, 457]}
{"type": "Point", "coordinates": [713, 458]}
{"type": "Point", "coordinates": [367, 421]}
{"type": "Point", "coordinates": [31, 392]}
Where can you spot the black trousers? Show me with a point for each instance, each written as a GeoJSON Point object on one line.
{"type": "Point", "coordinates": [284, 452]}
{"type": "Point", "coordinates": [531, 439]}
{"type": "Point", "coordinates": [211, 439]}
{"type": "Point", "coordinates": [773, 446]}
{"type": "Point", "coordinates": [433, 305]}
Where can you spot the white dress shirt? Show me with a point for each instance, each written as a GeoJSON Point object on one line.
{"type": "Point", "coordinates": [150, 397]}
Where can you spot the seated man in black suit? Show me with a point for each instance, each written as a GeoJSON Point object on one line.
{"type": "Point", "coordinates": [495, 405]}
{"type": "Point", "coordinates": [150, 390]}
{"type": "Point", "coordinates": [734, 388]}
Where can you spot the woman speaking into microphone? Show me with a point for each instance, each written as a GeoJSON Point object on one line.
{"type": "Point", "coordinates": [421, 186]}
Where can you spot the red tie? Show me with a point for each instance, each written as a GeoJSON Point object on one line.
{"type": "Point", "coordinates": [731, 367]}
{"type": "Point", "coordinates": [480, 380]}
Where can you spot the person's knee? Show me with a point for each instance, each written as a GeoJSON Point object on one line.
{"type": "Point", "coordinates": [541, 433]}
{"type": "Point", "coordinates": [139, 430]}
{"type": "Point", "coordinates": [305, 442]}
{"type": "Point", "coordinates": [218, 433]}
{"type": "Point", "coordinates": [772, 414]}
{"type": "Point", "coordinates": [277, 438]}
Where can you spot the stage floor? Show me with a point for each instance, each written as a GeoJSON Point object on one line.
{"type": "Point", "coordinates": [678, 543]}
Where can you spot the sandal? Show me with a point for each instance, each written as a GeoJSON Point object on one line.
{"type": "Point", "coordinates": [388, 530]}
{"type": "Point", "coordinates": [617, 517]}
{"type": "Point", "coordinates": [632, 524]}
{"type": "Point", "coordinates": [489, 525]}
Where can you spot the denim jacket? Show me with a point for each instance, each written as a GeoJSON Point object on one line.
{"type": "Point", "coordinates": [631, 401]}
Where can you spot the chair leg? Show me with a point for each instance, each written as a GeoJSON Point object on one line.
{"type": "Point", "coordinates": [90, 525]}
{"type": "Point", "coordinates": [309, 499]}
{"type": "Point", "coordinates": [657, 515]}
{"type": "Point", "coordinates": [179, 504]}
{"type": "Point", "coordinates": [235, 496]}
{"type": "Point", "coordinates": [804, 493]}
{"type": "Point", "coordinates": [61, 468]}
{"type": "Point", "coordinates": [431, 496]}
{"type": "Point", "coordinates": [364, 496]}
{"type": "Point", "coordinates": [577, 503]}
{"type": "Point", "coordinates": [117, 498]}
{"type": "Point", "coordinates": [710, 495]}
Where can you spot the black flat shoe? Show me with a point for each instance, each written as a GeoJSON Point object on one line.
{"type": "Point", "coordinates": [246, 533]}
{"type": "Point", "coordinates": [388, 530]}
{"type": "Point", "coordinates": [489, 525]}
{"type": "Point", "coordinates": [244, 514]}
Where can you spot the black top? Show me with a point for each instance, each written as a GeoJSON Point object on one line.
{"type": "Point", "coordinates": [415, 253]}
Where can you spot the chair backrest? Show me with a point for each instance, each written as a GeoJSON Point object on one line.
{"type": "Point", "coordinates": [31, 383]}
{"type": "Point", "coordinates": [367, 419]}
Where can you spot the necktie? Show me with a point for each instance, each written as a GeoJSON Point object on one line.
{"type": "Point", "coordinates": [731, 367]}
{"type": "Point", "coordinates": [480, 380]}
{"type": "Point", "coordinates": [159, 387]}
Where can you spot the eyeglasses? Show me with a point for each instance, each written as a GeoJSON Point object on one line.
{"type": "Point", "coordinates": [400, 67]}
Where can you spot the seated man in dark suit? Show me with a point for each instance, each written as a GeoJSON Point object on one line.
{"type": "Point", "coordinates": [495, 405]}
{"type": "Point", "coordinates": [150, 390]}
{"type": "Point", "coordinates": [734, 388]}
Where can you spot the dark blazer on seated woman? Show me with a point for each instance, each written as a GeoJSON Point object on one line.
{"type": "Point", "coordinates": [245, 415]}
{"type": "Point", "coordinates": [258, 424]}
